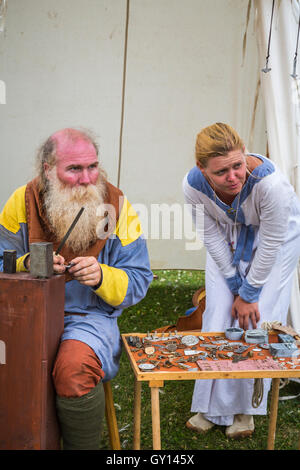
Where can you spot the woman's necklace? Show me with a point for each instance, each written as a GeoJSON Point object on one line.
{"type": "Point", "coordinates": [229, 211]}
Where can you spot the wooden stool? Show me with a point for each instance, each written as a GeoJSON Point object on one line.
{"type": "Point", "coordinates": [111, 419]}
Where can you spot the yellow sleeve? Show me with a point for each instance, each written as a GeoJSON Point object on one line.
{"type": "Point", "coordinates": [14, 212]}
{"type": "Point", "coordinates": [115, 281]}
{"type": "Point", "coordinates": [114, 285]}
{"type": "Point", "coordinates": [20, 264]}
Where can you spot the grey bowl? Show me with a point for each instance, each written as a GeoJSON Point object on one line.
{"type": "Point", "coordinates": [234, 333]}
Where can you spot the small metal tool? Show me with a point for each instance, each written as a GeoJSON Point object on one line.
{"type": "Point", "coordinates": [69, 231]}
{"type": "Point", "coordinates": [9, 261]}
{"type": "Point", "coordinates": [68, 266]}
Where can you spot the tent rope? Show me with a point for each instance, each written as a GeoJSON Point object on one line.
{"type": "Point", "coordinates": [267, 69]}
{"type": "Point", "coordinates": [294, 74]}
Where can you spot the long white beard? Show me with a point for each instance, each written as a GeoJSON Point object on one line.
{"type": "Point", "coordinates": [62, 204]}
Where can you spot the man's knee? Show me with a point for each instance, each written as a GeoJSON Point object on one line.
{"type": "Point", "coordinates": [77, 369]}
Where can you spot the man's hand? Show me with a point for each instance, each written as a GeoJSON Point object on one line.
{"type": "Point", "coordinates": [86, 270]}
{"type": "Point", "coordinates": [245, 311]}
{"type": "Point", "coordinates": [58, 263]}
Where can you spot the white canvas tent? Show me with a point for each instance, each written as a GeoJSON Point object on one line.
{"type": "Point", "coordinates": [281, 99]}
{"type": "Point", "coordinates": [146, 76]}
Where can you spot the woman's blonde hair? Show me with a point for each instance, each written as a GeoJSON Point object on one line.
{"type": "Point", "coordinates": [216, 140]}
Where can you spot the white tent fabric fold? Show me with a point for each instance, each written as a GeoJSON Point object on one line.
{"type": "Point", "coordinates": [281, 97]}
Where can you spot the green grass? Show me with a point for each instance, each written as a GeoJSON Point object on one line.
{"type": "Point", "coordinates": [169, 296]}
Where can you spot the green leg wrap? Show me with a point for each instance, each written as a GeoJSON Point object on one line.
{"type": "Point", "coordinates": [81, 419]}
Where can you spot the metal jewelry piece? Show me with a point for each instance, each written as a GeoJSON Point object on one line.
{"type": "Point", "coordinates": [146, 366]}
{"type": "Point", "coordinates": [134, 341]}
{"type": "Point", "coordinates": [190, 340]}
{"type": "Point", "coordinates": [171, 347]}
{"type": "Point", "coordinates": [286, 338]}
{"type": "Point", "coordinates": [241, 349]}
{"type": "Point", "coordinates": [149, 350]}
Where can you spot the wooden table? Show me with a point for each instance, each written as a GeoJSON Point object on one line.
{"type": "Point", "coordinates": [156, 380]}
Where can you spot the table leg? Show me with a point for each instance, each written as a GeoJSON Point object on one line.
{"type": "Point", "coordinates": [273, 413]}
{"type": "Point", "coordinates": [155, 418]}
{"type": "Point", "coordinates": [137, 415]}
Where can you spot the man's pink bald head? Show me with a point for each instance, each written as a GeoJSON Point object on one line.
{"type": "Point", "coordinates": [76, 158]}
{"type": "Point", "coordinates": [67, 141]}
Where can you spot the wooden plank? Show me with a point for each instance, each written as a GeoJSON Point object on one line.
{"type": "Point", "coordinates": [156, 383]}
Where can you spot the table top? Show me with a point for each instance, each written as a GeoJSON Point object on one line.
{"type": "Point", "coordinates": [186, 362]}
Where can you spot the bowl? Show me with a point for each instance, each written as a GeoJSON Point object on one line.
{"type": "Point", "coordinates": [234, 333]}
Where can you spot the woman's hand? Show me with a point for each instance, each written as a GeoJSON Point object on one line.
{"type": "Point", "coordinates": [245, 311]}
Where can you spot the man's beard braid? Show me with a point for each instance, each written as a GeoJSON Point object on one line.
{"type": "Point", "coordinates": [62, 203]}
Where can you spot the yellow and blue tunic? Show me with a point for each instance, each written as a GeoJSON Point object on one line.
{"type": "Point", "coordinates": [126, 277]}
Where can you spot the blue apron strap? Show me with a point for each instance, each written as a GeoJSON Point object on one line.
{"type": "Point", "coordinates": [249, 244]}
{"type": "Point", "coordinates": [244, 245]}
{"type": "Point", "coordinates": [240, 246]}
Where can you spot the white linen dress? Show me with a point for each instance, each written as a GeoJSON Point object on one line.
{"type": "Point", "coordinates": [263, 226]}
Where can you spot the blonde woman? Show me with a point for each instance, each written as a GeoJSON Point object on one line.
{"type": "Point", "coordinates": [252, 236]}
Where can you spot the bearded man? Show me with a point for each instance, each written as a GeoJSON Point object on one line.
{"type": "Point", "coordinates": [109, 270]}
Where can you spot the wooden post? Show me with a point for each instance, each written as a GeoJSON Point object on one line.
{"type": "Point", "coordinates": [273, 413]}
{"type": "Point", "coordinates": [31, 324]}
{"type": "Point", "coordinates": [137, 415]}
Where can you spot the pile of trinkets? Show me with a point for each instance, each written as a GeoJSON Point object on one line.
{"type": "Point", "coordinates": [169, 350]}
